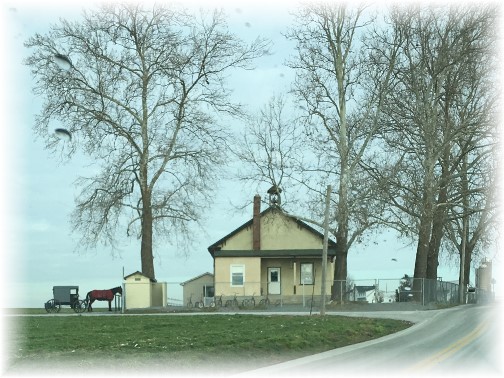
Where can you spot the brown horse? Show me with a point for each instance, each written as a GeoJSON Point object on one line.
{"type": "Point", "coordinates": [102, 295]}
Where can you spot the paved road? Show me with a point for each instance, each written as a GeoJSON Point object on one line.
{"type": "Point", "coordinates": [460, 341]}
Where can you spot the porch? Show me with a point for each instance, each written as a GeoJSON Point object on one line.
{"type": "Point", "coordinates": [288, 278]}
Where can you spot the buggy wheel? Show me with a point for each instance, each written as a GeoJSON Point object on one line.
{"type": "Point", "coordinates": [52, 306]}
{"type": "Point", "coordinates": [79, 306]}
{"type": "Point", "coordinates": [199, 304]}
{"type": "Point", "coordinates": [49, 305]}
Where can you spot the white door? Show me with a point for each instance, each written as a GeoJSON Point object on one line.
{"type": "Point", "coordinates": [273, 280]}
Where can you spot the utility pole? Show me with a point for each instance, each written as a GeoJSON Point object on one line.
{"type": "Point", "coordinates": [324, 250]}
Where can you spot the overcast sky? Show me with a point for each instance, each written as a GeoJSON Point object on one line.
{"type": "Point", "coordinates": [38, 191]}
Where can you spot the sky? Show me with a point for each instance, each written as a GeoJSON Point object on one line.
{"type": "Point", "coordinates": [38, 190]}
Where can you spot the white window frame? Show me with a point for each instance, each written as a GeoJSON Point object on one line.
{"type": "Point", "coordinates": [237, 269]}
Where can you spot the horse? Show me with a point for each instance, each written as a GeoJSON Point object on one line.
{"type": "Point", "coordinates": [102, 295]}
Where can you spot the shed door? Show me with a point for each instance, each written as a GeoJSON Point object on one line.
{"type": "Point", "coordinates": [273, 280]}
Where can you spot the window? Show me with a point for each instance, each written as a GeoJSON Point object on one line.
{"type": "Point", "coordinates": [307, 273]}
{"type": "Point", "coordinates": [237, 275]}
{"type": "Point", "coordinates": [208, 291]}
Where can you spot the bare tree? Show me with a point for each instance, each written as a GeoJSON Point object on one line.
{"type": "Point", "coordinates": [271, 149]}
{"type": "Point", "coordinates": [139, 98]}
{"type": "Point", "coordinates": [476, 216]}
{"type": "Point", "coordinates": [333, 72]}
{"type": "Point", "coordinates": [436, 115]}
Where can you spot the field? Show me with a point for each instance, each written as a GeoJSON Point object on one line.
{"type": "Point", "coordinates": [222, 341]}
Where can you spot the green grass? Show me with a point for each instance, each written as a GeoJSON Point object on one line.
{"type": "Point", "coordinates": [190, 337]}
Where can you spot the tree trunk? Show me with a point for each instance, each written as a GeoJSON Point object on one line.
{"type": "Point", "coordinates": [437, 231]}
{"type": "Point", "coordinates": [464, 244]}
{"type": "Point", "coordinates": [434, 247]}
{"type": "Point", "coordinates": [422, 252]}
{"type": "Point", "coordinates": [340, 273]}
{"type": "Point", "coordinates": [422, 247]}
{"type": "Point", "coordinates": [340, 268]}
{"type": "Point", "coordinates": [467, 264]}
{"type": "Point", "coordinates": [146, 254]}
{"type": "Point", "coordinates": [425, 226]}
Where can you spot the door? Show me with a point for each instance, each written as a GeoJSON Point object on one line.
{"type": "Point", "coordinates": [273, 281]}
{"type": "Point", "coordinates": [208, 294]}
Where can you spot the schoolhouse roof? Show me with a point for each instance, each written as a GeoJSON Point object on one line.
{"type": "Point", "coordinates": [216, 246]}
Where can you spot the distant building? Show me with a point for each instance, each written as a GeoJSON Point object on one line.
{"type": "Point", "coordinates": [484, 276]}
{"type": "Point", "coordinates": [365, 293]}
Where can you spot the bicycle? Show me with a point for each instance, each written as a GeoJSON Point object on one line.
{"type": "Point", "coordinates": [232, 302]}
{"type": "Point", "coordinates": [189, 303]}
{"type": "Point", "coordinates": [200, 303]}
{"type": "Point", "coordinates": [217, 302]}
{"type": "Point", "coordinates": [264, 301]}
{"type": "Point", "coordinates": [249, 302]}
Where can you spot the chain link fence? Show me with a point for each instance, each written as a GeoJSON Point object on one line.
{"type": "Point", "coordinates": [422, 291]}
{"type": "Point", "coordinates": [371, 291]}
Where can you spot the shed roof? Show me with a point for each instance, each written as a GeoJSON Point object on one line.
{"type": "Point", "coordinates": [195, 278]}
{"type": "Point", "coordinates": [141, 274]}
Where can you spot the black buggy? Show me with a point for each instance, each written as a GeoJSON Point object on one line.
{"type": "Point", "coordinates": [67, 296]}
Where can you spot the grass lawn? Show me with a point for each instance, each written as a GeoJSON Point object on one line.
{"type": "Point", "coordinates": [260, 339]}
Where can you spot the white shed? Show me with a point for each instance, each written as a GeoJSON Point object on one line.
{"type": "Point", "coordinates": [200, 288]}
{"type": "Point", "coordinates": [141, 291]}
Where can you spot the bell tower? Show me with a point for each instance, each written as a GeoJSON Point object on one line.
{"type": "Point", "coordinates": [274, 196]}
